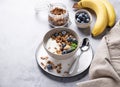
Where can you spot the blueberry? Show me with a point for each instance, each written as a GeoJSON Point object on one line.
{"type": "Point", "coordinates": [64, 32]}
{"type": "Point", "coordinates": [77, 15]}
{"type": "Point", "coordinates": [49, 67]}
{"type": "Point", "coordinates": [64, 52]}
{"type": "Point", "coordinates": [69, 50]}
{"type": "Point", "coordinates": [83, 19]}
{"type": "Point", "coordinates": [83, 14]}
{"type": "Point", "coordinates": [82, 22]}
{"type": "Point", "coordinates": [63, 45]}
{"type": "Point", "coordinates": [87, 20]}
{"type": "Point", "coordinates": [86, 16]}
{"type": "Point", "coordinates": [78, 20]}
{"type": "Point", "coordinates": [80, 15]}
{"type": "Point", "coordinates": [74, 40]}
{"type": "Point", "coordinates": [56, 34]}
{"type": "Point", "coordinates": [69, 39]}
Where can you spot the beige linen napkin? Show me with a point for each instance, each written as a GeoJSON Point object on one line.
{"type": "Point", "coordinates": [105, 67]}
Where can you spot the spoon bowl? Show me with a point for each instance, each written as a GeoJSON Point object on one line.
{"type": "Point", "coordinates": [85, 45]}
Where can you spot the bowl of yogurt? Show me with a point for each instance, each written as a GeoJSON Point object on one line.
{"type": "Point", "coordinates": [61, 43]}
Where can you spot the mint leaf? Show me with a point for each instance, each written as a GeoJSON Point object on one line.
{"type": "Point", "coordinates": [73, 46]}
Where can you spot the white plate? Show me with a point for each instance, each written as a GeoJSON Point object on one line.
{"type": "Point", "coordinates": [84, 62]}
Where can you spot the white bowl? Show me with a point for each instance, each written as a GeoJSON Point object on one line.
{"type": "Point", "coordinates": [83, 25]}
{"type": "Point", "coordinates": [64, 56]}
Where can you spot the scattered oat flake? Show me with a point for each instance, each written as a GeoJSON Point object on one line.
{"type": "Point", "coordinates": [45, 67]}
{"type": "Point", "coordinates": [44, 58]}
{"type": "Point", "coordinates": [66, 72]}
{"type": "Point", "coordinates": [42, 64]}
{"type": "Point", "coordinates": [49, 62]}
{"type": "Point", "coordinates": [55, 48]}
{"type": "Point", "coordinates": [60, 67]}
{"type": "Point", "coordinates": [59, 64]}
{"type": "Point", "coordinates": [58, 51]}
{"type": "Point", "coordinates": [68, 64]}
{"type": "Point", "coordinates": [41, 57]}
{"type": "Point", "coordinates": [55, 67]}
{"type": "Point", "coordinates": [58, 71]}
{"type": "Point", "coordinates": [49, 47]}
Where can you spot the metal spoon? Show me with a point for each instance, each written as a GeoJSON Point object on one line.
{"type": "Point", "coordinates": [85, 46]}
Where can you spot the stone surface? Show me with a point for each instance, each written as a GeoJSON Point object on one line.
{"type": "Point", "coordinates": [21, 31]}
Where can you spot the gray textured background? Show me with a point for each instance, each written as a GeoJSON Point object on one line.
{"type": "Point", "coordinates": [20, 33]}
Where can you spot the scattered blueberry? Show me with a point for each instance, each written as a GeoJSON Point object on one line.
{"type": "Point", "coordinates": [64, 52]}
{"type": "Point", "coordinates": [49, 67]}
{"type": "Point", "coordinates": [56, 34]}
{"type": "Point", "coordinates": [64, 32]}
{"type": "Point", "coordinates": [69, 39]}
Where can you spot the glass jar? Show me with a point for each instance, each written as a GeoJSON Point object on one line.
{"type": "Point", "coordinates": [58, 15]}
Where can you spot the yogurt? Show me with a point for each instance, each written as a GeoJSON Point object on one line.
{"type": "Point", "coordinates": [61, 43]}
{"type": "Point", "coordinates": [52, 46]}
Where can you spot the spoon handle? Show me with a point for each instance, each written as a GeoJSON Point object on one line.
{"type": "Point", "coordinates": [75, 63]}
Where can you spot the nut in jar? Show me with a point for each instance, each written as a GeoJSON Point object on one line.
{"type": "Point", "coordinates": [58, 15]}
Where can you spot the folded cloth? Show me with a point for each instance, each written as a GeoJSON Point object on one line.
{"type": "Point", "coordinates": [105, 67]}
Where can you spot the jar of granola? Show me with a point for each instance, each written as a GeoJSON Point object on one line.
{"type": "Point", "coordinates": [58, 15]}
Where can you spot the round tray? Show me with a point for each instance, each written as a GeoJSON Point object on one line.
{"type": "Point", "coordinates": [63, 65]}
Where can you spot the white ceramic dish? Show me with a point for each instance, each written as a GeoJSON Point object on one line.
{"type": "Point", "coordinates": [83, 25]}
{"type": "Point", "coordinates": [84, 62]}
{"type": "Point", "coordinates": [54, 30]}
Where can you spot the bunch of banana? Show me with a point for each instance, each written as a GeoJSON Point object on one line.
{"type": "Point", "coordinates": [105, 14]}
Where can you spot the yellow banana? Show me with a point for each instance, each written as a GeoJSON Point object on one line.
{"type": "Point", "coordinates": [110, 11]}
{"type": "Point", "coordinates": [101, 12]}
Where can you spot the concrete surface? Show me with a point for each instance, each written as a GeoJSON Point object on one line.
{"type": "Point", "coordinates": [20, 33]}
